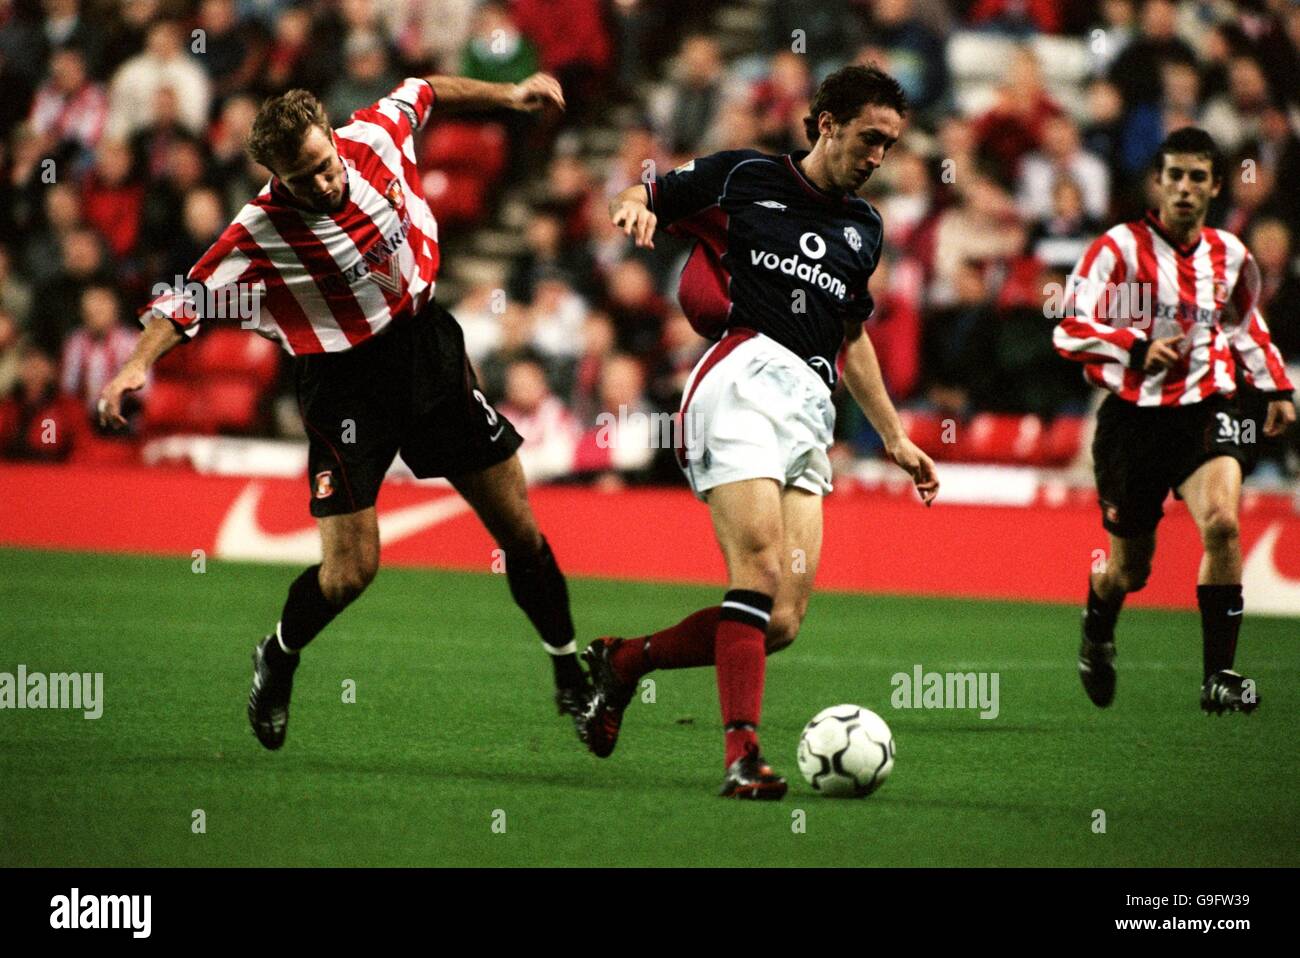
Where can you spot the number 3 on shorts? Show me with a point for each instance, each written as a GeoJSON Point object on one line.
{"type": "Point", "coordinates": [1229, 429]}
{"type": "Point", "coordinates": [492, 413]}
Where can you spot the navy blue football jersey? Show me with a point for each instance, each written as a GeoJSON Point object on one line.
{"type": "Point", "coordinates": [772, 251]}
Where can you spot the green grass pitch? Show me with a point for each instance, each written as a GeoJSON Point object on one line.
{"type": "Point", "coordinates": [453, 730]}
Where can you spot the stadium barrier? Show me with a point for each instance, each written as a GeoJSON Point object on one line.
{"type": "Point", "coordinates": [878, 540]}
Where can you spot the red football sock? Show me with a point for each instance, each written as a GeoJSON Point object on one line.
{"type": "Point", "coordinates": [686, 645]}
{"type": "Point", "coordinates": [741, 659]}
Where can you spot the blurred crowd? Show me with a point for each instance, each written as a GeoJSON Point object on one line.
{"type": "Point", "coordinates": [121, 159]}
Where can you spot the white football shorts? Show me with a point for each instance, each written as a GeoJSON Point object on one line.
{"type": "Point", "coordinates": [752, 409]}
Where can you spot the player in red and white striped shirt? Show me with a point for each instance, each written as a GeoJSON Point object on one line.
{"type": "Point", "coordinates": [302, 248]}
{"type": "Point", "coordinates": [336, 260]}
{"type": "Point", "coordinates": [1162, 311]}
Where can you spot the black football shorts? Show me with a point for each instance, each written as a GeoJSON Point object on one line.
{"type": "Point", "coordinates": [1140, 453]}
{"type": "Point", "coordinates": [409, 391]}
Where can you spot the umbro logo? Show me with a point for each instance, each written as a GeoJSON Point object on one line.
{"type": "Point", "coordinates": [824, 369]}
{"type": "Point", "coordinates": [770, 204]}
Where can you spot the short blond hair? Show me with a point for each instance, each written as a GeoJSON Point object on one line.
{"type": "Point", "coordinates": [281, 126]}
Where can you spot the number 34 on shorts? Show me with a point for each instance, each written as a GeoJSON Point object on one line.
{"type": "Point", "coordinates": [1231, 429]}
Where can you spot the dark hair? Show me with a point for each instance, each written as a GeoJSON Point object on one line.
{"type": "Point", "coordinates": [1194, 140]}
{"type": "Point", "coordinates": [845, 92]}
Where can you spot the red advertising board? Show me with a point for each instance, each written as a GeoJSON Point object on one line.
{"type": "Point", "coordinates": [875, 541]}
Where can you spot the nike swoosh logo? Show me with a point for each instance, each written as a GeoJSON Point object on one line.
{"type": "Point", "coordinates": [1264, 587]}
{"type": "Point", "coordinates": [1237, 612]}
{"type": "Point", "coordinates": [242, 537]}
{"type": "Point", "coordinates": [498, 433]}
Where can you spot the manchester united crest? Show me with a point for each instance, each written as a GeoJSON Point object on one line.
{"type": "Point", "coordinates": [394, 195]}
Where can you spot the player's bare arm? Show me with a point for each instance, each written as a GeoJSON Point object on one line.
{"type": "Point", "coordinates": [461, 93]}
{"type": "Point", "coordinates": [867, 386]}
{"type": "Point", "coordinates": [629, 212]}
{"type": "Point", "coordinates": [158, 337]}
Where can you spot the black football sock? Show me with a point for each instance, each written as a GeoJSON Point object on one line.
{"type": "Point", "coordinates": [538, 587]}
{"type": "Point", "coordinates": [1221, 610]}
{"type": "Point", "coordinates": [277, 657]}
{"type": "Point", "coordinates": [1100, 615]}
{"type": "Point", "coordinates": [306, 613]}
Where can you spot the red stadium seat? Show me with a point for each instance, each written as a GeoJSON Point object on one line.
{"type": "Point", "coordinates": [231, 402]}
{"type": "Point", "coordinates": [999, 438]}
{"type": "Point", "coordinates": [475, 148]}
{"type": "Point", "coordinates": [455, 197]}
{"type": "Point", "coordinates": [175, 406]}
{"type": "Point", "coordinates": [1003, 438]}
{"type": "Point", "coordinates": [177, 363]}
{"type": "Point", "coordinates": [461, 162]}
{"type": "Point", "coordinates": [237, 351]}
{"type": "Point", "coordinates": [926, 429]}
{"type": "Point", "coordinates": [1063, 441]}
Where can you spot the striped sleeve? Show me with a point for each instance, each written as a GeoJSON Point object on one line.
{"type": "Point", "coordinates": [415, 98]}
{"type": "Point", "coordinates": [223, 284]}
{"type": "Point", "coordinates": [1085, 332]}
{"type": "Point", "coordinates": [1251, 345]}
{"type": "Point", "coordinates": [400, 114]}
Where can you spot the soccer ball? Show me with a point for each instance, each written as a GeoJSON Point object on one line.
{"type": "Point", "coordinates": [846, 751]}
